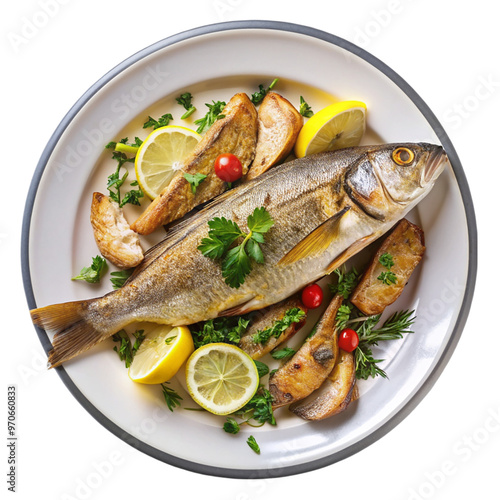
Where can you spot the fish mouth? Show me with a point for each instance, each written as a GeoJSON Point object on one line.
{"type": "Point", "coordinates": [435, 165]}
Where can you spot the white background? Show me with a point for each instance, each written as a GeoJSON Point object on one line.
{"type": "Point", "coordinates": [449, 445]}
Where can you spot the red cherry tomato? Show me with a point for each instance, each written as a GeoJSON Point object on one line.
{"type": "Point", "coordinates": [312, 296]}
{"type": "Point", "coordinates": [228, 167]}
{"type": "Point", "coordinates": [348, 340]}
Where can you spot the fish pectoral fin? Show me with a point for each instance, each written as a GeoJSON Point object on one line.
{"type": "Point", "coordinates": [356, 247]}
{"type": "Point", "coordinates": [317, 241]}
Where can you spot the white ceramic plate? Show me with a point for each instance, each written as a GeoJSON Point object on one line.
{"type": "Point", "coordinates": [213, 62]}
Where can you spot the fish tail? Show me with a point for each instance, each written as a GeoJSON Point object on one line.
{"type": "Point", "coordinates": [73, 331]}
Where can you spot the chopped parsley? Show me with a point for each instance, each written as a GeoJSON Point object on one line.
{"type": "Point", "coordinates": [163, 121]}
{"type": "Point", "coordinates": [172, 398]}
{"type": "Point", "coordinates": [214, 113]}
{"type": "Point", "coordinates": [95, 272]}
{"type": "Point", "coordinates": [258, 96]}
{"type": "Point", "coordinates": [225, 329]}
{"type": "Point", "coordinates": [294, 315]}
{"type": "Point", "coordinates": [194, 180]}
{"type": "Point", "coordinates": [126, 350]}
{"type": "Point", "coordinates": [185, 101]}
{"type": "Point", "coordinates": [305, 109]}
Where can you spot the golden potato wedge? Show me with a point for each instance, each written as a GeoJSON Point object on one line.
{"type": "Point", "coordinates": [235, 133]}
{"type": "Point", "coordinates": [279, 126]}
{"type": "Point", "coordinates": [334, 395]}
{"type": "Point", "coordinates": [266, 318]}
{"type": "Point", "coordinates": [311, 364]}
{"type": "Point", "coordinates": [114, 238]}
{"type": "Point", "coordinates": [406, 245]}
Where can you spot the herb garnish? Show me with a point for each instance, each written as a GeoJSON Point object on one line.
{"type": "Point", "coordinates": [119, 278]}
{"type": "Point", "coordinates": [124, 147]}
{"type": "Point", "coordinates": [305, 109]}
{"type": "Point", "coordinates": [394, 328]}
{"type": "Point", "coordinates": [172, 398]}
{"type": "Point", "coordinates": [262, 368]}
{"type": "Point", "coordinates": [387, 277]}
{"type": "Point", "coordinates": [236, 263]}
{"type": "Point", "coordinates": [115, 182]}
{"type": "Point", "coordinates": [259, 408]}
{"type": "Point", "coordinates": [127, 350]}
{"type": "Point", "coordinates": [231, 426]}
{"type": "Point", "coordinates": [365, 326]}
{"type": "Point", "coordinates": [286, 352]}
{"type": "Point", "coordinates": [294, 315]}
{"type": "Point", "coordinates": [213, 114]}
{"type": "Point", "coordinates": [195, 180]}
{"type": "Point", "coordinates": [258, 96]}
{"type": "Point", "coordinates": [95, 272]}
{"type": "Point", "coordinates": [386, 260]}
{"type": "Point", "coordinates": [225, 329]}
{"type": "Point", "coordinates": [185, 101]}
{"type": "Point", "coordinates": [347, 281]}
{"type": "Point", "coordinates": [253, 444]}
{"type": "Point", "coordinates": [163, 121]}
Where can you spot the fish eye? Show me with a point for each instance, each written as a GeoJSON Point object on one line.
{"type": "Point", "coordinates": [403, 156]}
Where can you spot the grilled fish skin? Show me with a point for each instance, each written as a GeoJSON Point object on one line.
{"type": "Point", "coordinates": [177, 285]}
{"type": "Point", "coordinates": [236, 133]}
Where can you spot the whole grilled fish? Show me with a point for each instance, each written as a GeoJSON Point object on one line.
{"type": "Point", "coordinates": [325, 207]}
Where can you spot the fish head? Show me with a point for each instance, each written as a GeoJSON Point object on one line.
{"type": "Point", "coordinates": [394, 176]}
{"type": "Point", "coordinates": [408, 171]}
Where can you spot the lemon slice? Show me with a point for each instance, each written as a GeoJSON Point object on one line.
{"type": "Point", "coordinates": [221, 378]}
{"type": "Point", "coordinates": [159, 157]}
{"type": "Point", "coordinates": [340, 125]}
{"type": "Point", "coordinates": [161, 354]}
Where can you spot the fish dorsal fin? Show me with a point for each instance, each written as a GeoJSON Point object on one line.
{"type": "Point", "coordinates": [316, 242]}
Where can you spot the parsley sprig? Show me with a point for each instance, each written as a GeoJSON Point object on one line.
{"type": "Point", "coordinates": [284, 353]}
{"type": "Point", "coordinates": [172, 398]}
{"type": "Point", "coordinates": [194, 180]}
{"type": "Point", "coordinates": [94, 272]}
{"type": "Point", "coordinates": [346, 282]}
{"type": "Point", "coordinates": [236, 261]}
{"type": "Point", "coordinates": [163, 121]}
{"type": "Point", "coordinates": [225, 329]}
{"type": "Point", "coordinates": [115, 182]}
{"type": "Point", "coordinates": [185, 101]}
{"type": "Point", "coordinates": [126, 350]}
{"type": "Point", "coordinates": [258, 96]}
{"type": "Point", "coordinates": [118, 278]}
{"type": "Point", "coordinates": [387, 277]}
{"type": "Point", "coordinates": [258, 409]}
{"type": "Point", "coordinates": [293, 315]}
{"type": "Point", "coordinates": [214, 113]}
{"type": "Point", "coordinates": [305, 109]}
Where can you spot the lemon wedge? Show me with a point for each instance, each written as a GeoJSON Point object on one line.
{"type": "Point", "coordinates": [221, 378]}
{"type": "Point", "coordinates": [340, 125]}
{"type": "Point", "coordinates": [159, 157]}
{"type": "Point", "coordinates": [162, 352]}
